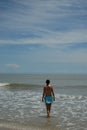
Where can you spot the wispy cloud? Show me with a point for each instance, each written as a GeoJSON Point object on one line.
{"type": "Point", "coordinates": [12, 65]}
{"type": "Point", "coordinates": [41, 17]}
{"type": "Point", "coordinates": [76, 36]}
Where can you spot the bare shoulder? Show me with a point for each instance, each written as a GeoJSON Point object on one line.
{"type": "Point", "coordinates": [44, 87]}
{"type": "Point", "coordinates": [51, 86]}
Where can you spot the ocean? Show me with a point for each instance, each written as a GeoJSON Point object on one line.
{"type": "Point", "coordinates": [21, 107]}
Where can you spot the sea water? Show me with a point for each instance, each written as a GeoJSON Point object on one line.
{"type": "Point", "coordinates": [21, 106]}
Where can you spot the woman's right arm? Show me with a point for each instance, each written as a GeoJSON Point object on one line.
{"type": "Point", "coordinates": [53, 94]}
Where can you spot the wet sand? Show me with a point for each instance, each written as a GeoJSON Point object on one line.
{"type": "Point", "coordinates": [4, 128]}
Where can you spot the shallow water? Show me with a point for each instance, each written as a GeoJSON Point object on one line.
{"type": "Point", "coordinates": [21, 107]}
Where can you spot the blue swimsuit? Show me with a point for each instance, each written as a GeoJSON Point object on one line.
{"type": "Point", "coordinates": [48, 99]}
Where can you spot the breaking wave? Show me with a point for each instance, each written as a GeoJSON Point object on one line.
{"type": "Point", "coordinates": [38, 85]}
{"type": "Point", "coordinates": [19, 85]}
{"type": "Point", "coordinates": [4, 84]}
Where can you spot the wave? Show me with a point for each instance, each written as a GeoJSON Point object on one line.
{"type": "Point", "coordinates": [4, 84]}
{"type": "Point", "coordinates": [64, 97]}
{"type": "Point", "coordinates": [75, 86]}
{"type": "Point", "coordinates": [19, 85]}
{"type": "Point", "coordinates": [38, 85]}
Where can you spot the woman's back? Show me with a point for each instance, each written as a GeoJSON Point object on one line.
{"type": "Point", "coordinates": [48, 90]}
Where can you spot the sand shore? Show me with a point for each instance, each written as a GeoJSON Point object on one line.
{"type": "Point", "coordinates": [4, 128]}
{"type": "Point", "coordinates": [20, 127]}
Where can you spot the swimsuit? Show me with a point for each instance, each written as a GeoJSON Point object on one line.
{"type": "Point", "coordinates": [48, 99]}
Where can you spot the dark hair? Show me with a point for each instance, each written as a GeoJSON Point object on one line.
{"type": "Point", "coordinates": [47, 81]}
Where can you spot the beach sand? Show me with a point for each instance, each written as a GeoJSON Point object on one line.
{"type": "Point", "coordinates": [39, 123]}
{"type": "Point", "coordinates": [14, 126]}
{"type": "Point", "coordinates": [29, 128]}
{"type": "Point", "coordinates": [2, 128]}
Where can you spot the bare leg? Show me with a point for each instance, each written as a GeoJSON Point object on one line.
{"type": "Point", "coordinates": [48, 107]}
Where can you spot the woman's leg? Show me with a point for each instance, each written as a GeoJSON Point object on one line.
{"type": "Point", "coordinates": [48, 107]}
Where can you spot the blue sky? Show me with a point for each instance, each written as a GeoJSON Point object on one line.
{"type": "Point", "coordinates": [43, 36]}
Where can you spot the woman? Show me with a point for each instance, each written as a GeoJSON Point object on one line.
{"type": "Point", "coordinates": [48, 96]}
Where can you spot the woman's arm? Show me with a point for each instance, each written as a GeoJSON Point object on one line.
{"type": "Point", "coordinates": [53, 94]}
{"type": "Point", "coordinates": [43, 94]}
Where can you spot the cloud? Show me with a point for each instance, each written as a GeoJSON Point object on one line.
{"type": "Point", "coordinates": [74, 36]}
{"type": "Point", "coordinates": [13, 65]}
{"type": "Point", "coordinates": [43, 22]}
{"type": "Point", "coordinates": [43, 31]}
{"type": "Point", "coordinates": [31, 15]}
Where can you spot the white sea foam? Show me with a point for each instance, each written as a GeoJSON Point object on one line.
{"type": "Point", "coordinates": [4, 84]}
